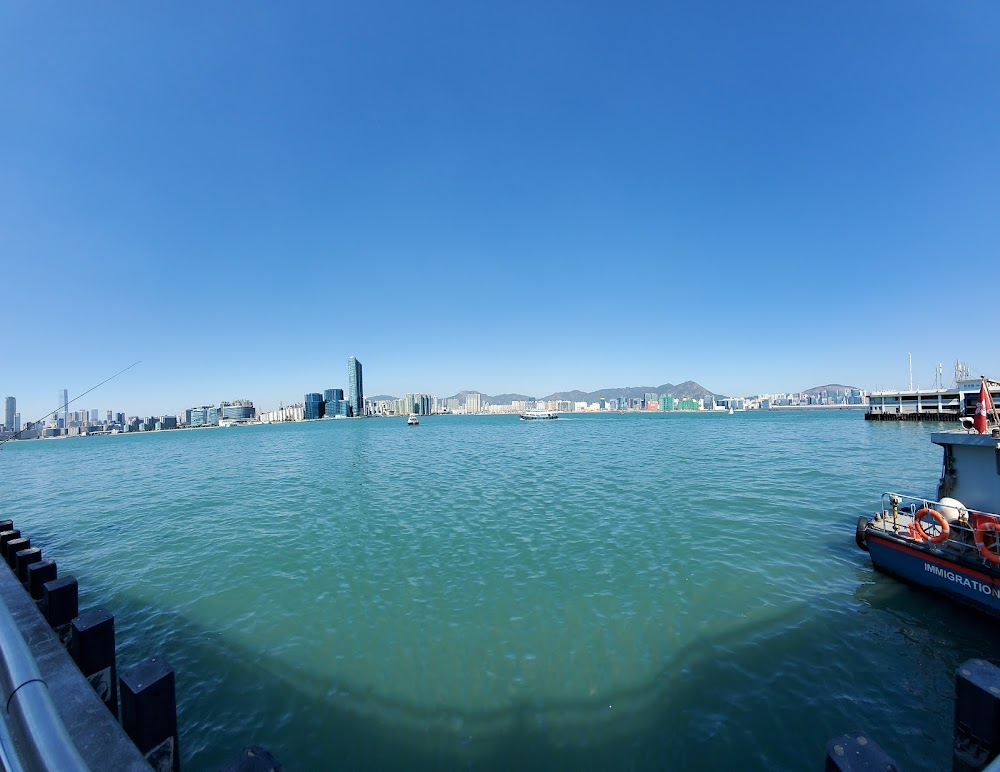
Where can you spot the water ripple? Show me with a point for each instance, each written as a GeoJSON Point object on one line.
{"type": "Point", "coordinates": [598, 591]}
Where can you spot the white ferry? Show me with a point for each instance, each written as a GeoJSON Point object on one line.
{"type": "Point", "coordinates": [412, 420]}
{"type": "Point", "coordinates": [538, 415]}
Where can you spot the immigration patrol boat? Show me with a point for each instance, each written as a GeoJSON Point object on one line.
{"type": "Point", "coordinates": [951, 545]}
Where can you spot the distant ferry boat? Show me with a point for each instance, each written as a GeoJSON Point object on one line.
{"type": "Point", "coordinates": [412, 420]}
{"type": "Point", "coordinates": [538, 415]}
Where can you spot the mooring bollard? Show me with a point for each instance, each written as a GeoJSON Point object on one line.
{"type": "Point", "coordinates": [13, 547]}
{"type": "Point", "coordinates": [253, 758]}
{"type": "Point", "coordinates": [854, 752]}
{"type": "Point", "coordinates": [977, 715]}
{"type": "Point", "coordinates": [149, 712]}
{"type": "Point", "coordinates": [92, 646]}
{"type": "Point", "coordinates": [38, 574]}
{"type": "Point", "coordinates": [6, 536]}
{"type": "Point", "coordinates": [60, 601]}
{"type": "Point", "coordinates": [23, 559]}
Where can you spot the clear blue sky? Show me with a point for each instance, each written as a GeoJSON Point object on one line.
{"type": "Point", "coordinates": [504, 197]}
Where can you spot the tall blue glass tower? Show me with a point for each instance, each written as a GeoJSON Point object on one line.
{"type": "Point", "coordinates": [355, 391]}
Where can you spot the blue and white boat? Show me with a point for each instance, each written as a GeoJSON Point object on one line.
{"type": "Point", "coordinates": [950, 545]}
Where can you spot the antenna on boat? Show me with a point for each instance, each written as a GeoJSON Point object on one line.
{"type": "Point", "coordinates": [32, 424]}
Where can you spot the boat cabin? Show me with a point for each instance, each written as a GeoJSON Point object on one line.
{"type": "Point", "coordinates": [971, 469]}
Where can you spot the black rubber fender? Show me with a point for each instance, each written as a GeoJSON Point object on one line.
{"type": "Point", "coordinates": [859, 533]}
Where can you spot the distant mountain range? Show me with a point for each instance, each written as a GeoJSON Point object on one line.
{"type": "Point", "coordinates": [828, 387]}
{"type": "Point", "coordinates": [688, 389]}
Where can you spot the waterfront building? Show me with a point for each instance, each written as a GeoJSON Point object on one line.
{"type": "Point", "coordinates": [667, 402]}
{"type": "Point", "coordinates": [329, 395]}
{"type": "Point", "coordinates": [17, 422]}
{"type": "Point", "coordinates": [167, 422]}
{"type": "Point", "coordinates": [314, 406]}
{"type": "Point", "coordinates": [9, 409]}
{"type": "Point", "coordinates": [355, 388]}
{"type": "Point", "coordinates": [337, 407]}
{"type": "Point", "coordinates": [947, 404]}
{"type": "Point", "coordinates": [207, 415]}
{"type": "Point", "coordinates": [239, 410]}
{"type": "Point", "coordinates": [688, 404]}
{"type": "Point", "coordinates": [63, 404]}
{"type": "Point", "coordinates": [473, 402]}
{"type": "Point", "coordinates": [419, 404]}
{"type": "Point", "coordinates": [453, 404]}
{"type": "Point", "coordinates": [294, 412]}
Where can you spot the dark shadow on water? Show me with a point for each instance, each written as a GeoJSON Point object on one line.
{"type": "Point", "coordinates": [731, 701]}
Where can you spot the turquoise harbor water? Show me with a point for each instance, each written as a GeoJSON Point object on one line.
{"type": "Point", "coordinates": [640, 591]}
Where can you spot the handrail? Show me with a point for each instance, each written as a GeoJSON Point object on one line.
{"type": "Point", "coordinates": [42, 743]}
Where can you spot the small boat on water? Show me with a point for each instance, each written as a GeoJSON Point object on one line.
{"type": "Point", "coordinates": [951, 544]}
{"type": "Point", "coordinates": [412, 420]}
{"type": "Point", "coordinates": [538, 415]}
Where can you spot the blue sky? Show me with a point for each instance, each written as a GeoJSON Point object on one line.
{"type": "Point", "coordinates": [504, 197]}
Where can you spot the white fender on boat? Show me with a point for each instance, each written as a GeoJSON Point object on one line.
{"type": "Point", "coordinates": [953, 510]}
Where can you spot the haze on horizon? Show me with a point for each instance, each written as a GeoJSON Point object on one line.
{"type": "Point", "coordinates": [506, 199]}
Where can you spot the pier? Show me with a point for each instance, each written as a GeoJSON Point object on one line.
{"type": "Point", "coordinates": [66, 707]}
{"type": "Point", "coordinates": [928, 404]}
{"type": "Point", "coordinates": [924, 415]}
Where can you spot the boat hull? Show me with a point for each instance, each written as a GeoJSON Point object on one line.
{"type": "Point", "coordinates": [978, 587]}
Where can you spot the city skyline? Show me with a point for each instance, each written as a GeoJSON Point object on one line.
{"type": "Point", "coordinates": [734, 194]}
{"type": "Point", "coordinates": [335, 393]}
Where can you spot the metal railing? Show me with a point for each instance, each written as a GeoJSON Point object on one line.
{"type": "Point", "coordinates": [40, 742]}
{"type": "Point", "coordinates": [899, 517]}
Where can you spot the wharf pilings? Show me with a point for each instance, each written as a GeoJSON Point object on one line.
{"type": "Point", "coordinates": [926, 415]}
{"type": "Point", "coordinates": [60, 683]}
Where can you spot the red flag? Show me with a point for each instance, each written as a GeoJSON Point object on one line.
{"type": "Point", "coordinates": [982, 406]}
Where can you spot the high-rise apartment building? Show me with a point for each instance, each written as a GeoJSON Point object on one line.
{"type": "Point", "coordinates": [355, 390]}
{"type": "Point", "coordinates": [9, 411]}
{"type": "Point", "coordinates": [473, 402]}
{"type": "Point", "coordinates": [63, 404]}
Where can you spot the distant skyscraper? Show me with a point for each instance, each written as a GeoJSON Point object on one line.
{"type": "Point", "coordinates": [63, 403]}
{"type": "Point", "coordinates": [473, 402]}
{"type": "Point", "coordinates": [8, 413]}
{"type": "Point", "coordinates": [355, 390]}
{"type": "Point", "coordinates": [315, 407]}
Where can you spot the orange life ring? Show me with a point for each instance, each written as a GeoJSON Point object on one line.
{"type": "Point", "coordinates": [938, 517]}
{"type": "Point", "coordinates": [981, 530]}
